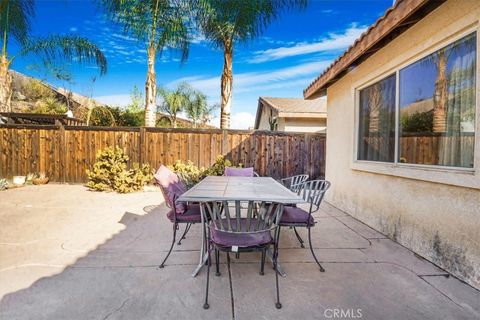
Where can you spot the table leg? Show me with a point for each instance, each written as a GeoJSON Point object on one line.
{"type": "Point", "coordinates": [203, 256]}
{"type": "Point", "coordinates": [279, 267]}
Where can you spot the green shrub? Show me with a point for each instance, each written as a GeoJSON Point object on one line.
{"type": "Point", "coordinates": [110, 173]}
{"type": "Point", "coordinates": [49, 105]}
{"type": "Point", "coordinates": [218, 168]}
{"type": "Point", "coordinates": [417, 122]}
{"type": "Point", "coordinates": [35, 90]}
{"type": "Point", "coordinates": [3, 184]}
{"type": "Point", "coordinates": [188, 172]}
{"type": "Point", "coordinates": [191, 174]}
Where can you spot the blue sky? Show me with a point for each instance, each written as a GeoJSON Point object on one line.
{"type": "Point", "coordinates": [280, 63]}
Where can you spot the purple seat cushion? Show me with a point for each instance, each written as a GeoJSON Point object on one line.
{"type": "Point", "coordinates": [228, 239]}
{"type": "Point", "coordinates": [238, 172]}
{"type": "Point", "coordinates": [190, 215]}
{"type": "Point", "coordinates": [172, 187]}
{"type": "Point", "coordinates": [295, 215]}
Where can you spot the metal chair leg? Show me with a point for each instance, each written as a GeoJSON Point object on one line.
{"type": "Point", "coordinates": [278, 305]}
{"type": "Point", "coordinates": [206, 305]}
{"type": "Point", "coordinates": [231, 286]}
{"type": "Point", "coordinates": [262, 263]}
{"type": "Point", "coordinates": [311, 249]}
{"type": "Point", "coordinates": [299, 238]}
{"type": "Point", "coordinates": [171, 247]}
{"type": "Point", "coordinates": [187, 228]}
{"type": "Point", "coordinates": [217, 263]}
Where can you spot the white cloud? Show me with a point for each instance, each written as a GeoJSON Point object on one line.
{"type": "Point", "coordinates": [334, 41]}
{"type": "Point", "coordinates": [198, 38]}
{"type": "Point", "coordinates": [249, 81]}
{"type": "Point", "coordinates": [123, 37]}
{"type": "Point", "coordinates": [242, 120]}
{"type": "Point", "coordinates": [73, 29]}
{"type": "Point", "coordinates": [239, 120]}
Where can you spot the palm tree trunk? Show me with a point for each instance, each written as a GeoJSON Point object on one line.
{"type": "Point", "coordinates": [226, 87]}
{"type": "Point", "coordinates": [375, 102]}
{"type": "Point", "coordinates": [174, 121]}
{"type": "Point", "coordinates": [5, 85]}
{"type": "Point", "coordinates": [151, 89]}
{"type": "Point", "coordinates": [440, 94]}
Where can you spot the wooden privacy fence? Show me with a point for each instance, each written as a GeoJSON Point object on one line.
{"type": "Point", "coordinates": [427, 148]}
{"type": "Point", "coordinates": [64, 153]}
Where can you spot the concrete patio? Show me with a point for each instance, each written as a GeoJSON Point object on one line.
{"type": "Point", "coordinates": [67, 253]}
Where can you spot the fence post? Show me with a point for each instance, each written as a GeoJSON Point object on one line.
{"type": "Point", "coordinates": [141, 145]}
{"type": "Point", "coordinates": [307, 156]}
{"type": "Point", "coordinates": [224, 142]}
{"type": "Point", "coordinates": [62, 151]}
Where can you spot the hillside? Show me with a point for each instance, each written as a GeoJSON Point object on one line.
{"type": "Point", "coordinates": [29, 94]}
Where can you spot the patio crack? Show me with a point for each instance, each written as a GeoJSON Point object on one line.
{"type": "Point", "coordinates": [116, 310]}
{"type": "Point", "coordinates": [443, 293]}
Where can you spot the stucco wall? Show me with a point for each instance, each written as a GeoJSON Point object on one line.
{"type": "Point", "coordinates": [263, 124]}
{"type": "Point", "coordinates": [305, 125]}
{"type": "Point", "coordinates": [441, 222]}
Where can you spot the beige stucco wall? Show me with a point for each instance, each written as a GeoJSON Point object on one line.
{"type": "Point", "coordinates": [265, 116]}
{"type": "Point", "coordinates": [305, 125]}
{"type": "Point", "coordinates": [291, 124]}
{"type": "Point", "coordinates": [439, 221]}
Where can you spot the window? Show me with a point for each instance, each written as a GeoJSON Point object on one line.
{"type": "Point", "coordinates": [436, 103]}
{"type": "Point", "coordinates": [377, 121]}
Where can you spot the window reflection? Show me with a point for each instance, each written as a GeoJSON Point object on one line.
{"type": "Point", "coordinates": [437, 107]}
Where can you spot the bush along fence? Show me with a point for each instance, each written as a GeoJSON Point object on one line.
{"type": "Point", "coordinates": [66, 152]}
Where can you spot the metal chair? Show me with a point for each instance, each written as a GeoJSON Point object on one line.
{"type": "Point", "coordinates": [294, 183]}
{"type": "Point", "coordinates": [180, 213]}
{"type": "Point", "coordinates": [312, 192]}
{"type": "Point", "coordinates": [229, 231]}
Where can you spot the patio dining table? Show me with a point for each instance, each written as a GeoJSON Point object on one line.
{"type": "Point", "coordinates": [237, 189]}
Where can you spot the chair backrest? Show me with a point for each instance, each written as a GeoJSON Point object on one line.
{"type": "Point", "coordinates": [294, 183]}
{"type": "Point", "coordinates": [172, 187]}
{"type": "Point", "coordinates": [313, 192]}
{"type": "Point", "coordinates": [239, 172]}
{"type": "Point", "coordinates": [232, 218]}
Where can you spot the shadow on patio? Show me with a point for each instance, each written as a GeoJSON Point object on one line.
{"type": "Point", "coordinates": [117, 277]}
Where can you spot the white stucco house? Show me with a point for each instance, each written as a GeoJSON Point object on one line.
{"type": "Point", "coordinates": [403, 141]}
{"type": "Point", "coordinates": [291, 114]}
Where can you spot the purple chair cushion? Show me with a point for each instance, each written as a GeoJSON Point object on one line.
{"type": "Point", "coordinates": [190, 215]}
{"type": "Point", "coordinates": [295, 215]}
{"type": "Point", "coordinates": [238, 172]}
{"type": "Point", "coordinates": [228, 239]}
{"type": "Point", "coordinates": [172, 186]}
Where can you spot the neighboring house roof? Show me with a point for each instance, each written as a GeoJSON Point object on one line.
{"type": "Point", "coordinates": [397, 19]}
{"type": "Point", "coordinates": [293, 108]}
{"type": "Point", "coordinates": [418, 106]}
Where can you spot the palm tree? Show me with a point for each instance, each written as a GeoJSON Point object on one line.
{"type": "Point", "coordinates": [159, 24]}
{"type": "Point", "coordinates": [174, 101]}
{"type": "Point", "coordinates": [15, 22]}
{"type": "Point", "coordinates": [227, 22]}
{"type": "Point", "coordinates": [197, 109]}
{"type": "Point", "coordinates": [441, 90]}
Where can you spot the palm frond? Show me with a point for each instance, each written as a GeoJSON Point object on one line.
{"type": "Point", "coordinates": [231, 20]}
{"type": "Point", "coordinates": [15, 19]}
{"type": "Point", "coordinates": [70, 48]}
{"type": "Point", "coordinates": [165, 23]}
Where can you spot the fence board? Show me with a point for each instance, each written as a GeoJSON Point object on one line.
{"type": "Point", "coordinates": [64, 153]}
